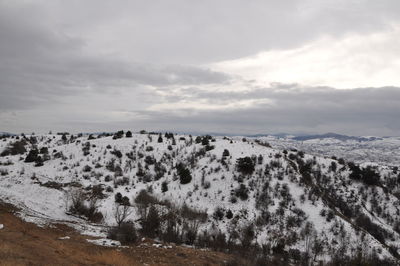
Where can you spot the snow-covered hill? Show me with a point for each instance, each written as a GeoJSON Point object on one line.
{"type": "Point", "coordinates": [277, 198]}
{"type": "Point", "coordinates": [383, 151]}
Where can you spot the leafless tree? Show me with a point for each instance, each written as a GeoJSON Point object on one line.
{"type": "Point", "coordinates": [75, 199]}
{"type": "Point", "coordinates": [121, 212]}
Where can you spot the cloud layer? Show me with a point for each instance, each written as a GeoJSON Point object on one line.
{"type": "Point", "coordinates": [285, 108]}
{"type": "Point", "coordinates": [225, 66]}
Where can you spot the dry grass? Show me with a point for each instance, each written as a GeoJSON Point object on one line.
{"type": "Point", "coordinates": [113, 258]}
{"type": "Point", "coordinates": [23, 243]}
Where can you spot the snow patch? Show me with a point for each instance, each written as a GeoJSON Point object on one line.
{"type": "Point", "coordinates": [104, 242]}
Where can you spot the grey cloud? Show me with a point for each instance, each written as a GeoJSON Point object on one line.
{"type": "Point", "coordinates": [362, 111]}
{"type": "Point", "coordinates": [67, 54]}
{"type": "Point", "coordinates": [39, 65]}
{"type": "Point", "coordinates": [181, 31]}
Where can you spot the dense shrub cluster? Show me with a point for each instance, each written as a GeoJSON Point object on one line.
{"type": "Point", "coordinates": [118, 134]}
{"type": "Point", "coordinates": [245, 165]}
{"type": "Point", "coordinates": [185, 176]}
{"type": "Point", "coordinates": [37, 157]}
{"type": "Point", "coordinates": [378, 232]}
{"type": "Point", "coordinates": [366, 175]}
{"type": "Point", "coordinates": [15, 148]}
{"type": "Point", "coordinates": [124, 233]}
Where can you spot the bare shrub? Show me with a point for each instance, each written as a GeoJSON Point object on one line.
{"type": "Point", "coordinates": [172, 232]}
{"type": "Point", "coordinates": [121, 212]}
{"type": "Point", "coordinates": [151, 223]}
{"type": "Point", "coordinates": [193, 214]}
{"type": "Point", "coordinates": [76, 199]}
{"type": "Point", "coordinates": [124, 233]}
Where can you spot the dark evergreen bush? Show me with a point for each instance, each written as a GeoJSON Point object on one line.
{"type": "Point", "coordinates": [149, 160]}
{"type": "Point", "coordinates": [87, 168]}
{"type": "Point", "coordinates": [225, 153]}
{"type": "Point", "coordinates": [245, 165]}
{"type": "Point", "coordinates": [184, 174]}
{"type": "Point", "coordinates": [118, 134]}
{"type": "Point", "coordinates": [218, 214]}
{"type": "Point", "coordinates": [32, 156]}
{"type": "Point", "coordinates": [15, 148]}
{"type": "Point", "coordinates": [117, 153]}
{"type": "Point", "coordinates": [164, 186]}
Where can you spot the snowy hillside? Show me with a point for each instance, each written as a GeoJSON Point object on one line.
{"type": "Point", "coordinates": [384, 151]}
{"type": "Point", "coordinates": [240, 191]}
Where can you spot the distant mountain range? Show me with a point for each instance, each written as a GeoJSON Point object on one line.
{"type": "Point", "coordinates": [334, 136]}
{"type": "Point", "coordinates": [304, 137]}
{"type": "Point", "coordinates": [6, 134]}
{"type": "Point", "coordinates": [297, 137]}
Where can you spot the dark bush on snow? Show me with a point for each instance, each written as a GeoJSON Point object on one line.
{"type": "Point", "coordinates": [375, 230]}
{"type": "Point", "coordinates": [151, 223]}
{"type": "Point", "coordinates": [247, 236]}
{"type": "Point", "coordinates": [145, 198]}
{"type": "Point", "coordinates": [87, 168]}
{"type": "Point", "coordinates": [225, 153]}
{"type": "Point", "coordinates": [164, 186]}
{"type": "Point", "coordinates": [366, 175]}
{"type": "Point", "coordinates": [123, 200]}
{"type": "Point", "coordinates": [32, 156]}
{"type": "Point", "coordinates": [245, 165]}
{"type": "Point", "coordinates": [118, 135]}
{"type": "Point", "coordinates": [184, 174]}
{"type": "Point", "coordinates": [80, 207]}
{"type": "Point", "coordinates": [193, 214]}
{"type": "Point", "coordinates": [149, 148]}
{"type": "Point", "coordinates": [125, 233]}
{"type": "Point", "coordinates": [209, 147]}
{"type": "Point", "coordinates": [216, 241]}
{"type": "Point", "coordinates": [149, 160]}
{"type": "Point", "coordinates": [117, 153]}
{"type": "Point", "coordinates": [218, 214]}
{"type": "Point", "coordinates": [242, 192]}
{"type": "Point", "coordinates": [86, 149]}
{"type": "Point", "coordinates": [39, 161]}
{"type": "Point", "coordinates": [15, 148]}
{"type": "Point", "coordinates": [128, 134]}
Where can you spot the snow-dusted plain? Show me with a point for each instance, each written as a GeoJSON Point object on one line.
{"type": "Point", "coordinates": [290, 198]}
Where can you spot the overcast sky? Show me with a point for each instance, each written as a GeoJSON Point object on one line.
{"type": "Point", "coordinates": [222, 66]}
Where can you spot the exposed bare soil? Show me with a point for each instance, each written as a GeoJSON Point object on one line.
{"type": "Point", "coordinates": [23, 243]}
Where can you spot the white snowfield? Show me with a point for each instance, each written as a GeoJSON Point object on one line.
{"type": "Point", "coordinates": [290, 206]}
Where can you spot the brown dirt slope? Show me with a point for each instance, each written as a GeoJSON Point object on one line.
{"type": "Point", "coordinates": [23, 243]}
